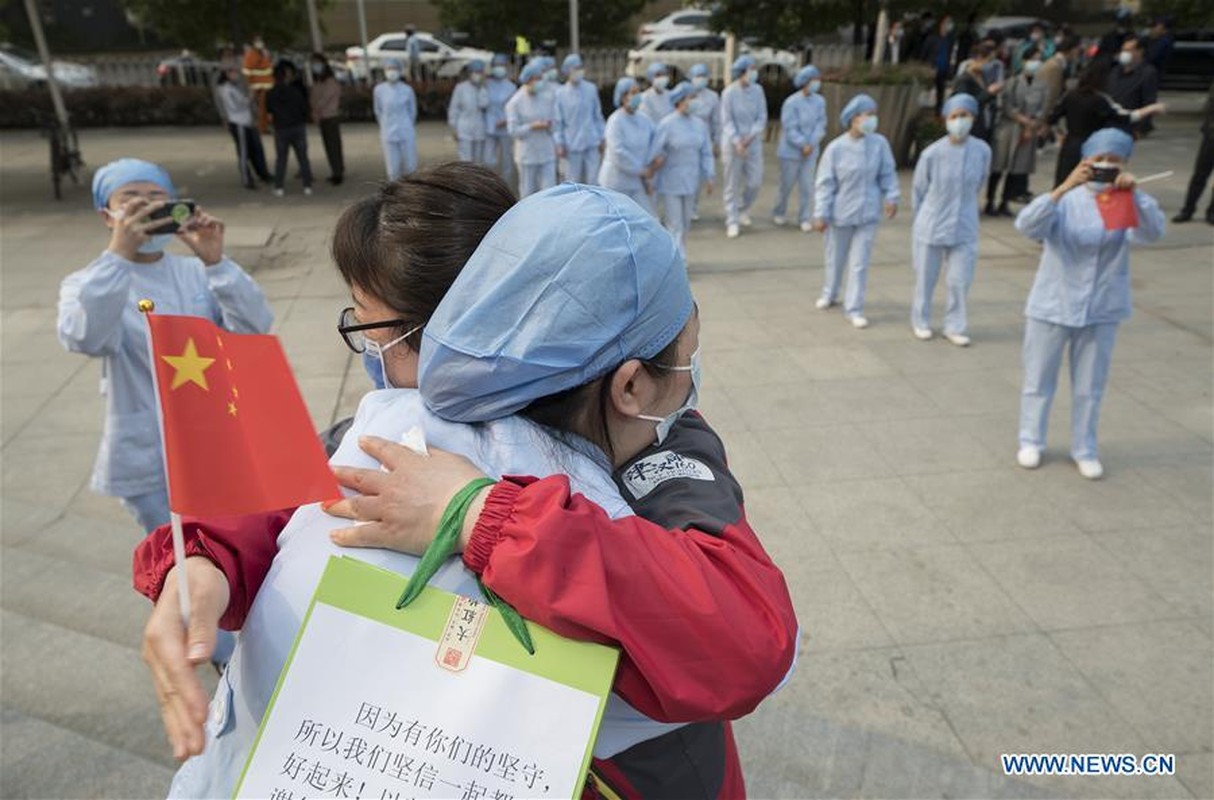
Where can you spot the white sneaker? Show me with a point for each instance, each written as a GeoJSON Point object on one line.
{"type": "Point", "coordinates": [807, 227]}
{"type": "Point", "coordinates": [859, 321]}
{"type": "Point", "coordinates": [779, 222]}
{"type": "Point", "coordinates": [959, 339]}
{"type": "Point", "coordinates": [1090, 468]}
{"type": "Point", "coordinates": [745, 220]}
{"type": "Point", "coordinates": [1029, 457]}
{"type": "Point", "coordinates": [308, 191]}
{"type": "Point", "coordinates": [823, 303]}
{"type": "Point", "coordinates": [279, 193]}
{"type": "Point", "coordinates": [922, 334]}
{"type": "Point", "coordinates": [732, 231]}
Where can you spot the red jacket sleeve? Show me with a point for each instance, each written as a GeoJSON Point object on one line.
{"type": "Point", "coordinates": [705, 622]}
{"type": "Point", "coordinates": [242, 548]}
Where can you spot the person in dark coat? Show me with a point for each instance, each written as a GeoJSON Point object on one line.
{"type": "Point", "coordinates": [1134, 83]}
{"type": "Point", "coordinates": [287, 105]}
{"type": "Point", "coordinates": [1201, 168]}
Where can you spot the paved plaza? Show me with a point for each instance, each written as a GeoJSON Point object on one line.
{"type": "Point", "coordinates": [953, 606]}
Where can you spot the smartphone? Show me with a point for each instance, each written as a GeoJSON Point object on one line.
{"type": "Point", "coordinates": [1105, 174]}
{"type": "Point", "coordinates": [176, 210]}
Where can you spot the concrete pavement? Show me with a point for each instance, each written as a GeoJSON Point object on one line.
{"type": "Point", "coordinates": [954, 606]}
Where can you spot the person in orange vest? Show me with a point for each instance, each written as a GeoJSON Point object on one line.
{"type": "Point", "coordinates": [258, 72]}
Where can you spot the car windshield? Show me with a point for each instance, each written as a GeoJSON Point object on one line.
{"type": "Point", "coordinates": [21, 53]}
{"type": "Point", "coordinates": [441, 43]}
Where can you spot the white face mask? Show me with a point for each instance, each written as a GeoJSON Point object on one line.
{"type": "Point", "coordinates": [1125, 58]}
{"type": "Point", "coordinates": [156, 241]}
{"type": "Point", "coordinates": [869, 124]}
{"type": "Point", "coordinates": [814, 85]}
{"type": "Point", "coordinates": [577, 75]}
{"type": "Point", "coordinates": [661, 82]}
{"type": "Point", "coordinates": [499, 72]}
{"type": "Point", "coordinates": [959, 127]}
{"type": "Point", "coordinates": [700, 82]}
{"type": "Point", "coordinates": [1031, 67]}
{"type": "Point", "coordinates": [752, 76]}
{"type": "Point", "coordinates": [375, 350]}
{"type": "Point", "coordinates": [476, 77]}
{"type": "Point", "coordinates": [551, 75]}
{"type": "Point", "coordinates": [393, 75]}
{"type": "Point", "coordinates": [667, 422]}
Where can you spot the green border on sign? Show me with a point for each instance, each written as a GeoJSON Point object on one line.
{"type": "Point", "coordinates": [369, 591]}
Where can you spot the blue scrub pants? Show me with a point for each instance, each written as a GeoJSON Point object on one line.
{"type": "Point", "coordinates": [1090, 349]}
{"type": "Point", "coordinates": [581, 166]}
{"type": "Point", "coordinates": [400, 157]}
{"type": "Point", "coordinates": [799, 171]}
{"type": "Point", "coordinates": [742, 179]}
{"type": "Point", "coordinates": [499, 154]}
{"type": "Point", "coordinates": [677, 217]}
{"type": "Point", "coordinates": [533, 178]}
{"type": "Point", "coordinates": [850, 246]}
{"type": "Point", "coordinates": [472, 150]}
{"type": "Point", "coordinates": [927, 259]}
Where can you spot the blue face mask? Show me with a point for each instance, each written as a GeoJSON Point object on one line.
{"type": "Point", "coordinates": [498, 72]}
{"type": "Point", "coordinates": [374, 352]}
{"type": "Point", "coordinates": [634, 102]}
{"type": "Point", "coordinates": [375, 370]}
{"type": "Point", "coordinates": [667, 422]}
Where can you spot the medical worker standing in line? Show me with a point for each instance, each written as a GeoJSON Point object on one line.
{"type": "Point", "coordinates": [466, 114]}
{"type": "Point", "coordinates": [655, 101]}
{"type": "Point", "coordinates": [629, 156]}
{"type": "Point", "coordinates": [1080, 295]}
{"type": "Point", "coordinates": [743, 120]}
{"type": "Point", "coordinates": [802, 124]}
{"type": "Point", "coordinates": [944, 198]}
{"type": "Point", "coordinates": [683, 144]}
{"type": "Point", "coordinates": [579, 124]}
{"type": "Point", "coordinates": [499, 146]}
{"type": "Point", "coordinates": [395, 107]}
{"type": "Point", "coordinates": [706, 106]}
{"type": "Point", "coordinates": [530, 118]}
{"type": "Point", "coordinates": [856, 183]}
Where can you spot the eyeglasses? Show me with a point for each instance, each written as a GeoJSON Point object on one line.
{"type": "Point", "coordinates": [351, 329]}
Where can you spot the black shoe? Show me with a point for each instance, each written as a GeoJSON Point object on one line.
{"type": "Point", "coordinates": [1004, 211]}
{"type": "Point", "coordinates": [1210, 216]}
{"type": "Point", "coordinates": [1027, 197]}
{"type": "Point", "coordinates": [335, 180]}
{"type": "Point", "coordinates": [1183, 216]}
{"type": "Point", "coordinates": [990, 210]}
{"type": "Point", "coordinates": [250, 185]}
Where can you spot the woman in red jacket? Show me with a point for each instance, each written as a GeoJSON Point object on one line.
{"type": "Point", "coordinates": [701, 564]}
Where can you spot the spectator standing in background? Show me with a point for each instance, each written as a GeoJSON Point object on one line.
{"type": "Point", "coordinates": [1110, 43]}
{"type": "Point", "coordinates": [258, 71]}
{"type": "Point", "coordinates": [413, 53]}
{"type": "Point", "coordinates": [287, 107]}
{"type": "Point", "coordinates": [326, 113]}
{"type": "Point", "coordinates": [1160, 44]}
{"type": "Point", "coordinates": [1053, 73]}
{"type": "Point", "coordinates": [1133, 83]}
{"type": "Point", "coordinates": [938, 53]}
{"type": "Point", "coordinates": [1202, 167]}
{"type": "Point", "coordinates": [238, 112]}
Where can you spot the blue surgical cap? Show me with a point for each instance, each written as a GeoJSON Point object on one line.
{"type": "Point", "coordinates": [569, 283]}
{"type": "Point", "coordinates": [393, 63]}
{"type": "Point", "coordinates": [534, 69]}
{"type": "Point", "coordinates": [806, 75]}
{"type": "Point", "coordinates": [572, 61]}
{"type": "Point", "coordinates": [622, 87]}
{"type": "Point", "coordinates": [476, 65]}
{"type": "Point", "coordinates": [680, 92]}
{"type": "Point", "coordinates": [961, 102]}
{"type": "Point", "coordinates": [128, 170]}
{"type": "Point", "coordinates": [500, 60]}
{"type": "Point", "coordinates": [1108, 140]}
{"type": "Point", "coordinates": [547, 62]}
{"type": "Point", "coordinates": [742, 64]}
{"type": "Point", "coordinates": [860, 104]}
{"type": "Point", "coordinates": [698, 71]}
{"type": "Point", "coordinates": [655, 69]}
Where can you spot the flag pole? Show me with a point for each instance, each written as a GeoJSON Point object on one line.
{"type": "Point", "coordinates": [146, 307]}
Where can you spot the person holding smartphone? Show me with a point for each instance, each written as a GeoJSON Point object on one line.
{"type": "Point", "coordinates": [98, 316]}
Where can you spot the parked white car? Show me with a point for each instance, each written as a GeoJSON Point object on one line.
{"type": "Point", "coordinates": [680, 51]}
{"type": "Point", "coordinates": [438, 57]}
{"type": "Point", "coordinates": [21, 67]}
{"type": "Point", "coordinates": [681, 21]}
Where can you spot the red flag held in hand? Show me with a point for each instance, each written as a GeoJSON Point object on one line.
{"type": "Point", "coordinates": [237, 435]}
{"type": "Point", "coordinates": [1117, 209]}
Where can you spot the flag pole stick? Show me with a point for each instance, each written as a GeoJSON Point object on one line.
{"type": "Point", "coordinates": [1158, 176]}
{"type": "Point", "coordinates": [183, 584]}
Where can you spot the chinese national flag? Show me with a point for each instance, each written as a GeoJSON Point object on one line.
{"type": "Point", "coordinates": [1117, 209]}
{"type": "Point", "coordinates": [237, 436]}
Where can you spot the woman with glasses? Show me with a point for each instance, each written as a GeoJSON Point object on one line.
{"type": "Point", "coordinates": [733, 596]}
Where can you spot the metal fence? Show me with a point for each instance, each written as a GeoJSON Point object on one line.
{"type": "Point", "coordinates": [602, 64]}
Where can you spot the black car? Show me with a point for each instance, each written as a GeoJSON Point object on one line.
{"type": "Point", "coordinates": [1192, 63]}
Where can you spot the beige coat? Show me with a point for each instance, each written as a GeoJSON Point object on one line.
{"type": "Point", "coordinates": [1020, 97]}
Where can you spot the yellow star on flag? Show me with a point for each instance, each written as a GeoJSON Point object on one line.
{"type": "Point", "coordinates": [232, 409]}
{"type": "Point", "coordinates": [189, 367]}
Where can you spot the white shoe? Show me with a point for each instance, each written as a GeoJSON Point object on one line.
{"type": "Point", "coordinates": [279, 193]}
{"type": "Point", "coordinates": [732, 231]}
{"type": "Point", "coordinates": [859, 321]}
{"type": "Point", "coordinates": [695, 217]}
{"type": "Point", "coordinates": [807, 227]}
{"type": "Point", "coordinates": [308, 191]}
{"type": "Point", "coordinates": [922, 334]}
{"type": "Point", "coordinates": [1090, 468]}
{"type": "Point", "coordinates": [959, 339]}
{"type": "Point", "coordinates": [823, 303]}
{"type": "Point", "coordinates": [745, 220]}
{"type": "Point", "coordinates": [1029, 457]}
{"type": "Point", "coordinates": [779, 222]}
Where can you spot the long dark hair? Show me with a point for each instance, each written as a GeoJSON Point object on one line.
{"type": "Point", "coordinates": [1095, 76]}
{"type": "Point", "coordinates": [406, 244]}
